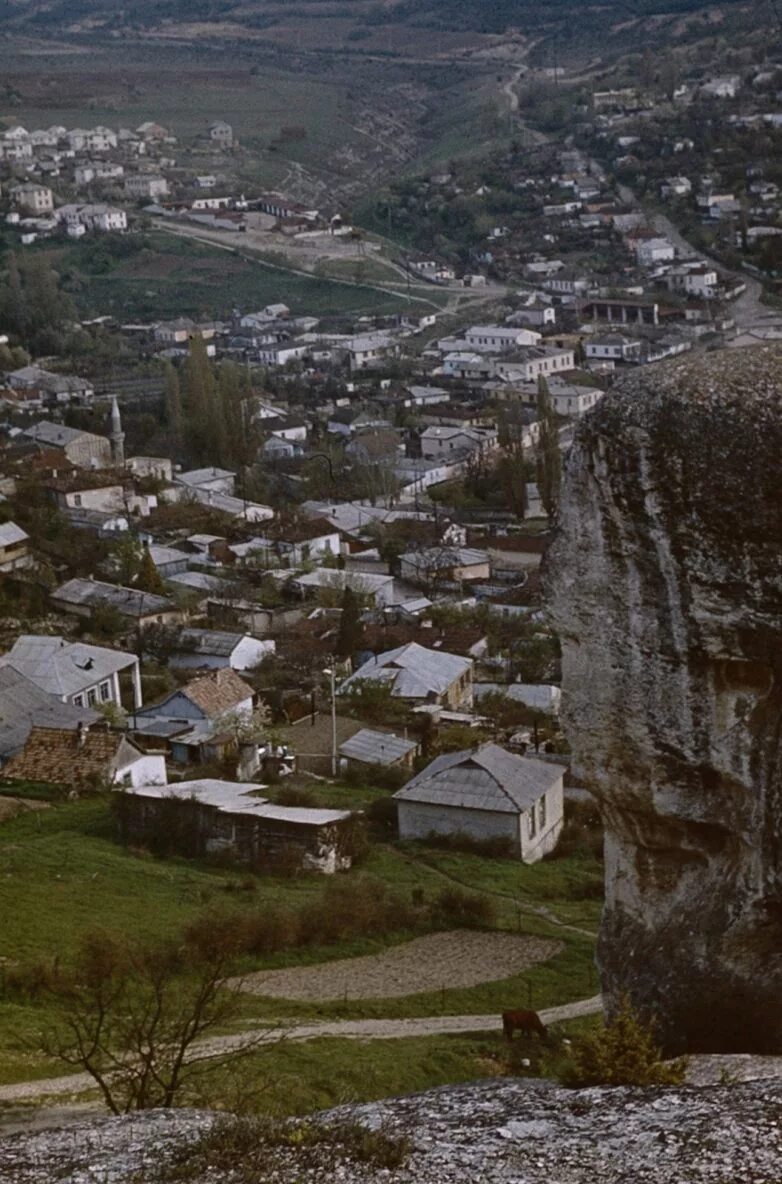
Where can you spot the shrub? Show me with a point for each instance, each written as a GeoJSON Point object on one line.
{"type": "Point", "coordinates": [254, 1150]}
{"type": "Point", "coordinates": [382, 815]}
{"type": "Point", "coordinates": [497, 847]}
{"type": "Point", "coordinates": [624, 1052]}
{"type": "Point", "coordinates": [582, 832]}
{"type": "Point", "coordinates": [453, 906]}
{"type": "Point", "coordinates": [289, 795]}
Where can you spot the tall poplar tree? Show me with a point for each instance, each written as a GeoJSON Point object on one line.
{"type": "Point", "coordinates": [548, 457]}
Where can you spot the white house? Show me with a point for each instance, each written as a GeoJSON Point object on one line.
{"type": "Point", "coordinates": [93, 217]}
{"type": "Point", "coordinates": [439, 442]}
{"type": "Point", "coordinates": [33, 198]}
{"type": "Point", "coordinates": [214, 650]}
{"type": "Point", "coordinates": [500, 337]}
{"type": "Point", "coordinates": [76, 673]}
{"type": "Point", "coordinates": [613, 347]}
{"type": "Point", "coordinates": [14, 550]}
{"type": "Point", "coordinates": [654, 250]}
{"type": "Point", "coordinates": [146, 185]}
{"type": "Point", "coordinates": [486, 793]}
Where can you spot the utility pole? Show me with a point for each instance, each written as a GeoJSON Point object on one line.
{"type": "Point", "coordinates": [331, 672]}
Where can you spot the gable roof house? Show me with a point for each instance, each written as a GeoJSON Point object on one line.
{"type": "Point", "coordinates": [57, 388]}
{"type": "Point", "coordinates": [73, 672]}
{"type": "Point", "coordinates": [84, 757]}
{"type": "Point", "coordinates": [435, 566]}
{"type": "Point", "coordinates": [488, 794]}
{"type": "Point", "coordinates": [205, 698]}
{"type": "Point", "coordinates": [418, 675]}
{"type": "Point", "coordinates": [24, 705]}
{"type": "Point", "coordinates": [82, 597]}
{"type": "Point", "coordinates": [216, 650]}
{"type": "Point", "coordinates": [85, 450]}
{"type": "Point", "coordinates": [369, 747]}
{"type": "Point", "coordinates": [14, 550]}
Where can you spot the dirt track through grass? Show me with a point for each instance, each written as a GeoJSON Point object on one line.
{"type": "Point", "coordinates": [460, 958]}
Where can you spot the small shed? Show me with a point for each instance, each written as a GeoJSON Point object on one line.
{"type": "Point", "coordinates": [212, 817]}
{"type": "Point", "coordinates": [486, 793]}
{"type": "Point", "coordinates": [369, 747]}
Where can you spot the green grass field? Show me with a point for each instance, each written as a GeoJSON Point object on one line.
{"type": "Point", "coordinates": [168, 277]}
{"type": "Point", "coordinates": [62, 874]}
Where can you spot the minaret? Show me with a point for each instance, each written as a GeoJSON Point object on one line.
{"type": "Point", "coordinates": [117, 437]}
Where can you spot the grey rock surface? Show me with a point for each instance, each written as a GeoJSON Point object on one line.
{"type": "Point", "coordinates": [666, 588]}
{"type": "Point", "coordinates": [498, 1132]}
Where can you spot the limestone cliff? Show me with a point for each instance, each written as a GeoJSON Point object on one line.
{"type": "Point", "coordinates": [666, 587]}
{"type": "Point", "coordinates": [494, 1132]}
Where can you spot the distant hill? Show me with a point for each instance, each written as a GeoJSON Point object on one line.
{"type": "Point", "coordinates": [483, 16]}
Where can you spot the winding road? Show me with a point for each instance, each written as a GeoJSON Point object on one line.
{"type": "Point", "coordinates": [390, 1029]}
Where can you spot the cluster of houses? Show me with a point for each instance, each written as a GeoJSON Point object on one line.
{"type": "Point", "coordinates": [659, 139]}
{"type": "Point", "coordinates": [79, 180]}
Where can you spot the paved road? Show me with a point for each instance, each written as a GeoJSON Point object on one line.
{"type": "Point", "coordinates": [391, 1029]}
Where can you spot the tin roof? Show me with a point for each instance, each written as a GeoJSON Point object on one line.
{"type": "Point", "coordinates": [486, 778]}
{"type": "Point", "coordinates": [377, 748]}
{"type": "Point", "coordinates": [229, 797]}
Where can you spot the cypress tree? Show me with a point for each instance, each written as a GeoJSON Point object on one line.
{"type": "Point", "coordinates": [548, 457]}
{"type": "Point", "coordinates": [351, 629]}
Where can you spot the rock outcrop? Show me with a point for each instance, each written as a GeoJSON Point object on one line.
{"type": "Point", "coordinates": [666, 589]}
{"type": "Point", "coordinates": [497, 1132]}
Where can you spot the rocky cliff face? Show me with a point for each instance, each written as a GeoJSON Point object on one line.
{"type": "Point", "coordinates": [666, 588]}
{"type": "Point", "coordinates": [498, 1132]}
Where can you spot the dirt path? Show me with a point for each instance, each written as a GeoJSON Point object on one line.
{"type": "Point", "coordinates": [439, 1025]}
{"type": "Point", "coordinates": [456, 959]}
{"type": "Point", "coordinates": [211, 240]}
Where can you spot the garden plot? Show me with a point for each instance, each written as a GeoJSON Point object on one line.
{"type": "Point", "coordinates": [438, 961]}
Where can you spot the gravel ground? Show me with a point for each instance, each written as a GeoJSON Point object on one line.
{"type": "Point", "coordinates": [458, 959]}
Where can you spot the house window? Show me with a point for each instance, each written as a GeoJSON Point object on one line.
{"type": "Point", "coordinates": [77, 499]}
{"type": "Point", "coordinates": [78, 700]}
{"type": "Point", "coordinates": [531, 825]}
{"type": "Point", "coordinates": [92, 697]}
{"type": "Point", "coordinates": [542, 813]}
{"type": "Point", "coordinates": [105, 691]}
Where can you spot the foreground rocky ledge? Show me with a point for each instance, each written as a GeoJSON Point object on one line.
{"type": "Point", "coordinates": [508, 1131]}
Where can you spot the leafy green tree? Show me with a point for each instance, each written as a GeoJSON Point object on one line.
{"type": "Point", "coordinates": [547, 453]}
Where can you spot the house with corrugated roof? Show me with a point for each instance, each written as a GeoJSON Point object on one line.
{"type": "Point", "coordinates": [488, 795]}
{"type": "Point", "coordinates": [215, 817]}
{"type": "Point", "coordinates": [23, 705]}
{"type": "Point", "coordinates": [418, 675]}
{"type": "Point", "coordinates": [82, 597]}
{"type": "Point", "coordinates": [370, 747]}
{"type": "Point", "coordinates": [74, 672]}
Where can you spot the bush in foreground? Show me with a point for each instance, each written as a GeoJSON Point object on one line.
{"type": "Point", "coordinates": [249, 1150]}
{"type": "Point", "coordinates": [624, 1052]}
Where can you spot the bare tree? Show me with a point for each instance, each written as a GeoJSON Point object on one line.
{"type": "Point", "coordinates": [134, 1016]}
